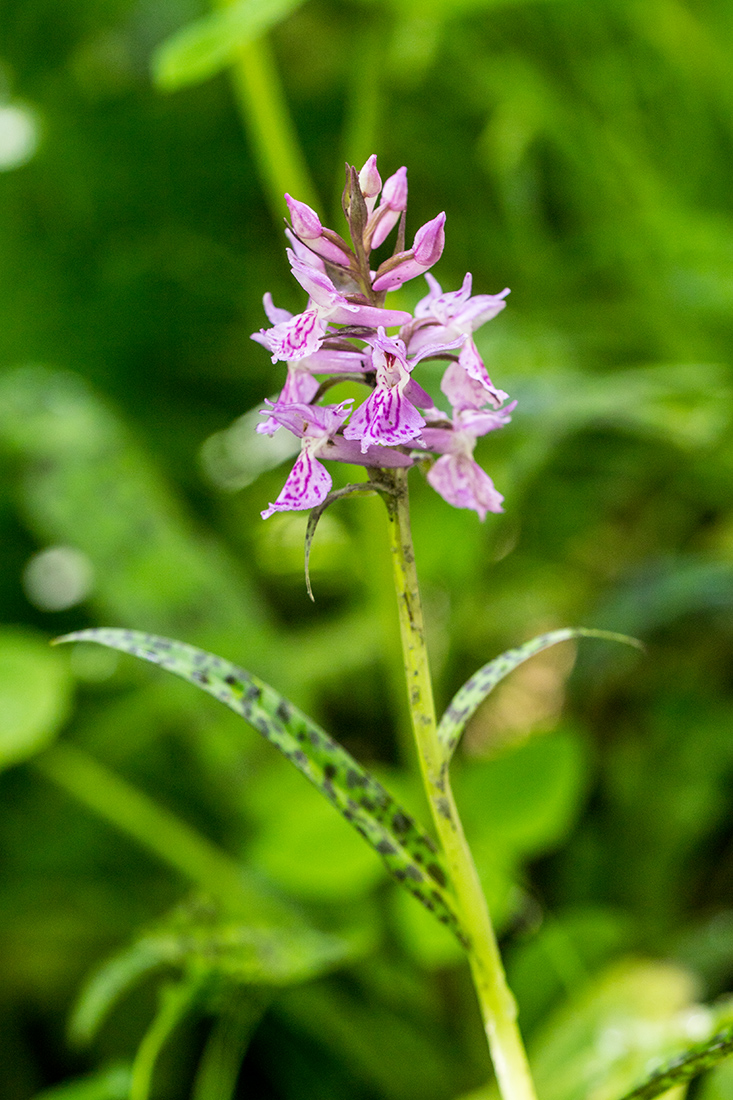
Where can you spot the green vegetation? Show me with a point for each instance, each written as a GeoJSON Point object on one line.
{"type": "Point", "coordinates": [177, 901]}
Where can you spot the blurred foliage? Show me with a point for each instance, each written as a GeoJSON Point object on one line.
{"type": "Point", "coordinates": [582, 153]}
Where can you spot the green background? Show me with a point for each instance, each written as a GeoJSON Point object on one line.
{"type": "Point", "coordinates": [582, 153]}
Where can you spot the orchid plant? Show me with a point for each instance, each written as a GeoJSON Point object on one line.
{"type": "Point", "coordinates": [347, 333]}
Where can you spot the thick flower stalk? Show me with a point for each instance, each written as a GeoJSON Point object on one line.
{"type": "Point", "coordinates": [345, 332]}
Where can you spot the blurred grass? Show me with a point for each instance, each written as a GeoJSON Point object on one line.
{"type": "Point", "coordinates": [583, 155]}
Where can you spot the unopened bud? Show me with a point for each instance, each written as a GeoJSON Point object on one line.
{"type": "Point", "coordinates": [370, 182]}
{"type": "Point", "coordinates": [306, 222]}
{"type": "Point", "coordinates": [394, 192]}
{"type": "Point", "coordinates": [427, 248]}
{"type": "Point", "coordinates": [429, 242]}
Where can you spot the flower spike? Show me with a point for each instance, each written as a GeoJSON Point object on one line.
{"type": "Point", "coordinates": [344, 333]}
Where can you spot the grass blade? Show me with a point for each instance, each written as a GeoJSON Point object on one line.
{"type": "Point", "coordinates": [409, 854]}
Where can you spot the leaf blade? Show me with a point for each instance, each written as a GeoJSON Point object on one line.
{"type": "Point", "coordinates": [203, 48]}
{"type": "Point", "coordinates": [408, 853]}
{"type": "Point", "coordinates": [468, 698]}
{"type": "Point", "coordinates": [683, 1068]}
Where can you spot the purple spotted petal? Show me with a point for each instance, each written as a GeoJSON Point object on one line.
{"type": "Point", "coordinates": [296, 338]}
{"type": "Point", "coordinates": [386, 417]}
{"type": "Point", "coordinates": [463, 483]}
{"type": "Point", "coordinates": [308, 484]}
{"type": "Point", "coordinates": [474, 367]}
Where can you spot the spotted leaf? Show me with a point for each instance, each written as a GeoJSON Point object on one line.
{"type": "Point", "coordinates": [409, 854]}
{"type": "Point", "coordinates": [468, 699]}
{"type": "Point", "coordinates": [678, 1071]}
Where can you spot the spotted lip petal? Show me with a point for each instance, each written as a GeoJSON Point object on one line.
{"type": "Point", "coordinates": [308, 484]}
{"type": "Point", "coordinates": [296, 338]}
{"type": "Point", "coordinates": [387, 417]}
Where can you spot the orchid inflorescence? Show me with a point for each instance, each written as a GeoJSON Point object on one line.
{"type": "Point", "coordinates": [342, 335]}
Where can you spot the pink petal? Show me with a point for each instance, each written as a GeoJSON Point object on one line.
{"type": "Point", "coordinates": [462, 483]}
{"type": "Point", "coordinates": [348, 450]}
{"type": "Point", "coordinates": [474, 367]}
{"type": "Point", "coordinates": [296, 338]}
{"type": "Point", "coordinates": [308, 484]}
{"type": "Point", "coordinates": [300, 387]}
{"type": "Point", "coordinates": [386, 417]}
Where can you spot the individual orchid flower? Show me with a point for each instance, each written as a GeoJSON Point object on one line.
{"type": "Point", "coordinates": [427, 248]}
{"type": "Point", "coordinates": [309, 482]}
{"type": "Point", "coordinates": [456, 314]}
{"type": "Point", "coordinates": [300, 384]}
{"type": "Point", "coordinates": [304, 333]}
{"type": "Point", "coordinates": [389, 415]}
{"type": "Point", "coordinates": [456, 475]}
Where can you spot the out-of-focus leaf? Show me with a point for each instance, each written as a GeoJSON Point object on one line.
{"type": "Point", "coordinates": [202, 49]}
{"type": "Point", "coordinates": [684, 1067]}
{"type": "Point", "coordinates": [601, 1042]}
{"type": "Point", "coordinates": [400, 1059]}
{"type": "Point", "coordinates": [198, 939]}
{"type": "Point", "coordinates": [567, 948]}
{"type": "Point", "coordinates": [525, 799]}
{"type": "Point", "coordinates": [665, 590]}
{"type": "Point", "coordinates": [83, 481]}
{"type": "Point", "coordinates": [218, 1070]}
{"type": "Point", "coordinates": [717, 1085]}
{"type": "Point", "coordinates": [409, 854]}
{"type": "Point", "coordinates": [35, 695]}
{"type": "Point", "coordinates": [175, 1001]}
{"type": "Point", "coordinates": [469, 698]}
{"type": "Point", "coordinates": [305, 848]}
{"type": "Point", "coordinates": [108, 984]}
{"type": "Point", "coordinates": [112, 1083]}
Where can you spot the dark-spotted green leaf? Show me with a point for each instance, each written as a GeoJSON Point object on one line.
{"type": "Point", "coordinates": [469, 698]}
{"type": "Point", "coordinates": [409, 854]}
{"type": "Point", "coordinates": [678, 1071]}
{"type": "Point", "coordinates": [205, 47]}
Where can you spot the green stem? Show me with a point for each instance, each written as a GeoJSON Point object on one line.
{"type": "Point", "coordinates": [175, 1001]}
{"type": "Point", "coordinates": [264, 111]}
{"type": "Point", "coordinates": [498, 1007]}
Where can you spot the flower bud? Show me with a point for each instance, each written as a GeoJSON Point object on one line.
{"type": "Point", "coordinates": [429, 242]}
{"type": "Point", "coordinates": [306, 222]}
{"type": "Point", "coordinates": [370, 182]}
{"type": "Point", "coordinates": [394, 192]}
{"type": "Point", "coordinates": [307, 228]}
{"type": "Point", "coordinates": [427, 248]}
{"type": "Point", "coordinates": [386, 216]}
